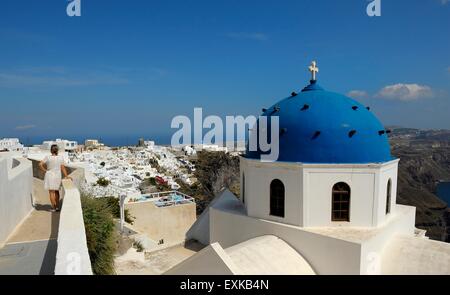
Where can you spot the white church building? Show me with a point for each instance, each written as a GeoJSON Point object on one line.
{"type": "Point", "coordinates": [326, 206]}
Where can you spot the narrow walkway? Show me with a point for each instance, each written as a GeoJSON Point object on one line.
{"type": "Point", "coordinates": [31, 249]}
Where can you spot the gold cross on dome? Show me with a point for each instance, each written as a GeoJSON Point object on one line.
{"type": "Point", "coordinates": [313, 69]}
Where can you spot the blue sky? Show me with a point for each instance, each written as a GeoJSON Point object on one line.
{"type": "Point", "coordinates": [129, 67]}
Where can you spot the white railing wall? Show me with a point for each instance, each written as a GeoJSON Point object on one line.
{"type": "Point", "coordinates": [72, 257]}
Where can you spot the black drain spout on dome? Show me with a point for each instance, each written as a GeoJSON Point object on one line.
{"type": "Point", "coordinates": [305, 107]}
{"type": "Point", "coordinates": [351, 133]}
{"type": "Point", "coordinates": [275, 110]}
{"type": "Point", "coordinates": [316, 134]}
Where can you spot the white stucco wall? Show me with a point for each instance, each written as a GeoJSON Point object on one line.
{"type": "Point", "coordinates": [72, 256]}
{"type": "Point", "coordinates": [199, 231]}
{"type": "Point", "coordinates": [15, 193]}
{"type": "Point", "coordinates": [259, 175]}
{"type": "Point", "coordinates": [326, 255]}
{"type": "Point", "coordinates": [308, 191]}
{"type": "Point", "coordinates": [388, 171]}
{"type": "Point", "coordinates": [327, 250]}
{"type": "Point", "coordinates": [400, 223]}
{"type": "Point", "coordinates": [318, 195]}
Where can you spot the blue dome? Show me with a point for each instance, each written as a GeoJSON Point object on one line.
{"type": "Point", "coordinates": [317, 126]}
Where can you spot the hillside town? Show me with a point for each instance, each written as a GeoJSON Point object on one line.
{"type": "Point", "coordinates": [114, 171]}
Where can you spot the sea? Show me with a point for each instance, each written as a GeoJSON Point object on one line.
{"type": "Point", "coordinates": [443, 191]}
{"type": "Point", "coordinates": [109, 140]}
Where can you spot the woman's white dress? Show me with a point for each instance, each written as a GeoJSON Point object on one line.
{"type": "Point", "coordinates": [52, 179]}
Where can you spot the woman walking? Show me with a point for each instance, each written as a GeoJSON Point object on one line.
{"type": "Point", "coordinates": [53, 165]}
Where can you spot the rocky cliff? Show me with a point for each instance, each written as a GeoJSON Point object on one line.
{"type": "Point", "coordinates": [421, 167]}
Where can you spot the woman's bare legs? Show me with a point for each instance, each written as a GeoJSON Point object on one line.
{"type": "Point", "coordinates": [53, 199]}
{"type": "Point", "coordinates": [57, 200]}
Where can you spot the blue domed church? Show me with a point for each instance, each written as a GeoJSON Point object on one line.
{"type": "Point", "coordinates": [321, 200]}
{"type": "Point", "coordinates": [333, 166]}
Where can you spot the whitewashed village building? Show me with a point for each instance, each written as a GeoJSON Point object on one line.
{"type": "Point", "coordinates": [10, 144]}
{"type": "Point", "coordinates": [326, 206]}
{"type": "Point", "coordinates": [63, 145]}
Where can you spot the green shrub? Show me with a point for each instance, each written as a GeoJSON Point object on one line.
{"type": "Point", "coordinates": [154, 163]}
{"type": "Point", "coordinates": [162, 187]}
{"type": "Point", "coordinates": [103, 182]}
{"type": "Point", "coordinates": [114, 204]}
{"type": "Point", "coordinates": [100, 234]}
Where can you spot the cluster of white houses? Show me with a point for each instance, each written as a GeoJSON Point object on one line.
{"type": "Point", "coordinates": [10, 144]}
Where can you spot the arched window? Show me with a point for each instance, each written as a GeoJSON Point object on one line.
{"type": "Point", "coordinates": [388, 196]}
{"type": "Point", "coordinates": [340, 210]}
{"type": "Point", "coordinates": [243, 188]}
{"type": "Point", "coordinates": [277, 198]}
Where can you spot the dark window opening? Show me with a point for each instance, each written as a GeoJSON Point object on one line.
{"type": "Point", "coordinates": [340, 202]}
{"type": "Point", "coordinates": [277, 198]}
{"type": "Point", "coordinates": [388, 197]}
